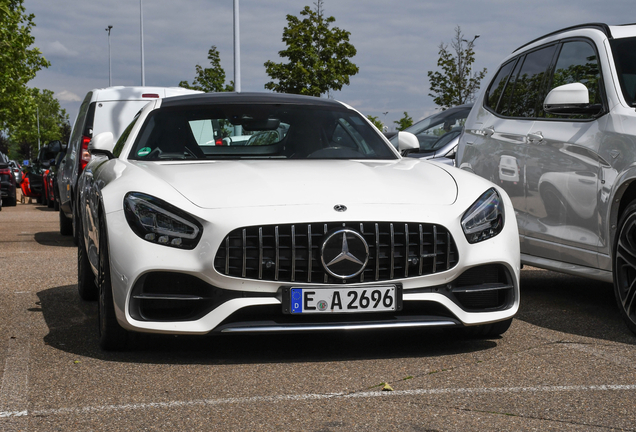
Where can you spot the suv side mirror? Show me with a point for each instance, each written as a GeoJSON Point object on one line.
{"type": "Point", "coordinates": [407, 143]}
{"type": "Point", "coordinates": [102, 144]}
{"type": "Point", "coordinates": [570, 99]}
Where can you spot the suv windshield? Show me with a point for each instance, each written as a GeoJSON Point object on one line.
{"type": "Point", "coordinates": [257, 131]}
{"type": "Point", "coordinates": [625, 61]}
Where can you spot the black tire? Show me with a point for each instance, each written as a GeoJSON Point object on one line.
{"type": "Point", "coordinates": [75, 228]}
{"type": "Point", "coordinates": [11, 202]}
{"type": "Point", "coordinates": [86, 286]}
{"type": "Point", "coordinates": [487, 331]}
{"type": "Point", "coordinates": [624, 266]}
{"type": "Point", "coordinates": [112, 337]}
{"type": "Point", "coordinates": [66, 224]}
{"type": "Point", "coordinates": [39, 199]}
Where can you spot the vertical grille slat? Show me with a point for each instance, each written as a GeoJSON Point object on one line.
{"type": "Point", "coordinates": [292, 252]}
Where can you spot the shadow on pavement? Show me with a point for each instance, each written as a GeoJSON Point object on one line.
{"type": "Point", "coordinates": [72, 327]}
{"type": "Point", "coordinates": [53, 238]}
{"type": "Point", "coordinates": [571, 304]}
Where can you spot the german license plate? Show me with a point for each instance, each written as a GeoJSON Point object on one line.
{"type": "Point", "coordinates": [344, 300]}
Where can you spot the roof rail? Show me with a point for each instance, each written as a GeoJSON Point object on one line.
{"type": "Point", "coordinates": [598, 26]}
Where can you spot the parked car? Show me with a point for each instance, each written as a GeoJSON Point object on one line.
{"type": "Point", "coordinates": [438, 134]}
{"type": "Point", "coordinates": [7, 182]}
{"type": "Point", "coordinates": [47, 157]}
{"type": "Point", "coordinates": [309, 230]}
{"type": "Point", "coordinates": [108, 109]}
{"type": "Point", "coordinates": [563, 107]}
{"type": "Point", "coordinates": [16, 168]}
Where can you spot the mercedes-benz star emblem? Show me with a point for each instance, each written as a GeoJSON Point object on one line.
{"type": "Point", "coordinates": [345, 253]}
{"type": "Point", "coordinates": [340, 208]}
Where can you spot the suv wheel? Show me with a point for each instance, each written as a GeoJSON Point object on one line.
{"type": "Point", "coordinates": [624, 266]}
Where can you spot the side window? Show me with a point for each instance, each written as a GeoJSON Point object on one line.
{"type": "Point", "coordinates": [76, 134]}
{"type": "Point", "coordinates": [578, 62]}
{"type": "Point", "coordinates": [527, 91]}
{"type": "Point", "coordinates": [124, 136]}
{"type": "Point", "coordinates": [497, 87]}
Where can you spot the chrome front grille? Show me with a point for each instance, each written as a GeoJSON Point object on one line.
{"type": "Point", "coordinates": [291, 253]}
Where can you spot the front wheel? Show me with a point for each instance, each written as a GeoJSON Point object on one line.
{"type": "Point", "coordinates": [86, 286]}
{"type": "Point", "coordinates": [624, 266]}
{"type": "Point", "coordinates": [66, 224]}
{"type": "Point", "coordinates": [112, 337]}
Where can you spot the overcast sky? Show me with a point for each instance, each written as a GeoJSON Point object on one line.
{"type": "Point", "coordinates": [397, 41]}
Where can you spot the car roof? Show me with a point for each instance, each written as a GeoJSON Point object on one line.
{"type": "Point", "coordinates": [611, 32]}
{"type": "Point", "coordinates": [253, 98]}
{"type": "Point", "coordinates": [122, 93]}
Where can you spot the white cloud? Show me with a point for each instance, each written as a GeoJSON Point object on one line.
{"type": "Point", "coordinates": [57, 49]}
{"type": "Point", "coordinates": [68, 96]}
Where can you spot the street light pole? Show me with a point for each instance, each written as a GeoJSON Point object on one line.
{"type": "Point", "coordinates": [110, 72]}
{"type": "Point", "coordinates": [237, 49]}
{"type": "Point", "coordinates": [141, 27]}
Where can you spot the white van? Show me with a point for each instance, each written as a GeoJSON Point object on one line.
{"type": "Point", "coordinates": [103, 110]}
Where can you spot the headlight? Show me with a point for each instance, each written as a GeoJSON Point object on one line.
{"type": "Point", "coordinates": [158, 222]}
{"type": "Point", "coordinates": [485, 218]}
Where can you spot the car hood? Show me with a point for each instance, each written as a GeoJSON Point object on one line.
{"type": "Point", "coordinates": [255, 183]}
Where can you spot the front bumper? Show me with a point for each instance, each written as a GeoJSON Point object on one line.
{"type": "Point", "coordinates": [213, 302]}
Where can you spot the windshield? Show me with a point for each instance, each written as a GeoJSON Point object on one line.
{"type": "Point", "coordinates": [430, 130]}
{"type": "Point", "coordinates": [258, 131]}
{"type": "Point", "coordinates": [625, 61]}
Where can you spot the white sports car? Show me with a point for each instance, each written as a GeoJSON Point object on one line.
{"type": "Point", "coordinates": [309, 221]}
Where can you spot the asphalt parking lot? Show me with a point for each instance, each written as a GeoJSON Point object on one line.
{"type": "Point", "coordinates": [567, 363]}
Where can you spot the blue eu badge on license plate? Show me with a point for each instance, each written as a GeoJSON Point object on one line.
{"type": "Point", "coordinates": [296, 300]}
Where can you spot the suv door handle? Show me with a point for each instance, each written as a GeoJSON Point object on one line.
{"type": "Point", "coordinates": [535, 138]}
{"type": "Point", "coordinates": [488, 131]}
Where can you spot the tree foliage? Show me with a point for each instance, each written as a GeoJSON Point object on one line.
{"type": "Point", "coordinates": [318, 56]}
{"type": "Point", "coordinates": [18, 62]}
{"type": "Point", "coordinates": [404, 122]}
{"type": "Point", "coordinates": [376, 122]}
{"type": "Point", "coordinates": [210, 79]}
{"type": "Point", "coordinates": [53, 124]}
{"type": "Point", "coordinates": [457, 83]}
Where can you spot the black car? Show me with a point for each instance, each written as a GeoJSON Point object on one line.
{"type": "Point", "coordinates": [7, 182]}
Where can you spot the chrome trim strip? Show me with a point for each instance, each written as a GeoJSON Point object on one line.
{"type": "Point", "coordinates": [325, 232]}
{"type": "Point", "coordinates": [567, 268]}
{"type": "Point", "coordinates": [244, 251]}
{"type": "Point", "coordinates": [260, 252]}
{"type": "Point", "coordinates": [406, 252]}
{"type": "Point", "coordinates": [448, 250]}
{"type": "Point", "coordinates": [227, 255]}
{"type": "Point", "coordinates": [310, 255]}
{"type": "Point", "coordinates": [362, 232]}
{"type": "Point", "coordinates": [166, 297]}
{"type": "Point", "coordinates": [434, 248]}
{"type": "Point", "coordinates": [421, 250]}
{"type": "Point", "coordinates": [377, 252]}
{"type": "Point", "coordinates": [323, 327]}
{"type": "Point", "coordinates": [293, 255]}
{"type": "Point", "coordinates": [277, 252]}
{"type": "Point", "coordinates": [392, 261]}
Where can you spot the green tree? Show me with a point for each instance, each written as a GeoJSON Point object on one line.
{"type": "Point", "coordinates": [318, 56]}
{"type": "Point", "coordinates": [376, 122]}
{"type": "Point", "coordinates": [210, 79]}
{"type": "Point", "coordinates": [18, 62]}
{"type": "Point", "coordinates": [456, 84]}
{"type": "Point", "coordinates": [53, 122]}
{"type": "Point", "coordinates": [404, 122]}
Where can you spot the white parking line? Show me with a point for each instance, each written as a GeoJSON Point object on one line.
{"type": "Point", "coordinates": [301, 397]}
{"type": "Point", "coordinates": [15, 377]}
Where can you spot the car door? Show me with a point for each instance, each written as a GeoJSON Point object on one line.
{"type": "Point", "coordinates": [563, 169]}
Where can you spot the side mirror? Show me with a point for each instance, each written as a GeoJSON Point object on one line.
{"type": "Point", "coordinates": [102, 144]}
{"type": "Point", "coordinates": [570, 99]}
{"type": "Point", "coordinates": [407, 143]}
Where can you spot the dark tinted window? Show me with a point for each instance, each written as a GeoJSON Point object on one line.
{"type": "Point", "coordinates": [258, 131]}
{"type": "Point", "coordinates": [578, 62]}
{"type": "Point", "coordinates": [625, 61]}
{"type": "Point", "coordinates": [527, 91]}
{"type": "Point", "coordinates": [497, 86]}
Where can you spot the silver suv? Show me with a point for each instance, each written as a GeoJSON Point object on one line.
{"type": "Point", "coordinates": [556, 128]}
